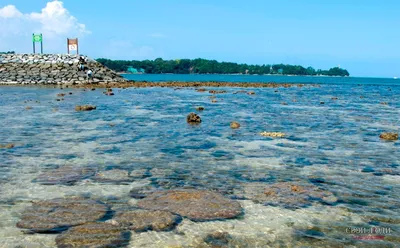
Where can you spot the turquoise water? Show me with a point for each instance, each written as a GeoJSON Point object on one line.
{"type": "Point", "coordinates": [334, 146]}
{"type": "Point", "coordinates": [260, 78]}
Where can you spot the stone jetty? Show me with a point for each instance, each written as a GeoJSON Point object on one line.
{"type": "Point", "coordinates": [52, 69]}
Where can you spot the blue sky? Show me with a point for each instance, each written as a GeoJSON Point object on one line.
{"type": "Point", "coordinates": [362, 36]}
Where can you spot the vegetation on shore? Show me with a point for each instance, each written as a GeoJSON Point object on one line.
{"type": "Point", "coordinates": [203, 66]}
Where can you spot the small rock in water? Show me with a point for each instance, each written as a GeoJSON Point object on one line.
{"type": "Point", "coordinates": [273, 134]}
{"type": "Point", "coordinates": [28, 108]}
{"type": "Point", "coordinates": [140, 173]}
{"type": "Point", "coordinates": [368, 170]}
{"type": "Point", "coordinates": [7, 146]}
{"type": "Point", "coordinates": [334, 98]}
{"type": "Point", "coordinates": [214, 100]}
{"type": "Point", "coordinates": [66, 175]}
{"type": "Point", "coordinates": [235, 125]}
{"type": "Point", "coordinates": [389, 136]}
{"type": "Point", "coordinates": [251, 93]}
{"type": "Point", "coordinates": [197, 205]}
{"type": "Point", "coordinates": [142, 192]}
{"type": "Point", "coordinates": [94, 235]}
{"type": "Point", "coordinates": [85, 107]}
{"type": "Point", "coordinates": [285, 194]}
{"type": "Point", "coordinates": [218, 239]}
{"type": "Point", "coordinates": [193, 118]}
{"type": "Point", "coordinates": [145, 220]}
{"type": "Point", "coordinates": [60, 94]}
{"type": "Point", "coordinates": [113, 176]}
{"type": "Point", "coordinates": [284, 103]}
{"type": "Point", "coordinates": [201, 90]}
{"type": "Point", "coordinates": [200, 108]}
{"type": "Point", "coordinates": [321, 102]}
{"type": "Point", "coordinates": [384, 103]}
{"type": "Point", "coordinates": [59, 214]}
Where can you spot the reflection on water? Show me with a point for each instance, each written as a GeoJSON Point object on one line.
{"type": "Point", "coordinates": [340, 173]}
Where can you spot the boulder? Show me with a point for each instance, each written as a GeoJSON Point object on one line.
{"type": "Point", "coordinates": [235, 125]}
{"type": "Point", "coordinates": [66, 175]}
{"type": "Point", "coordinates": [145, 220]}
{"type": "Point", "coordinates": [389, 136]}
{"type": "Point", "coordinates": [193, 118]}
{"type": "Point", "coordinates": [59, 214]}
{"type": "Point", "coordinates": [99, 235]}
{"type": "Point", "coordinates": [197, 205]}
{"type": "Point", "coordinates": [85, 107]}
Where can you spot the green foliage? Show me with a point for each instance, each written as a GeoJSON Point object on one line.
{"type": "Point", "coordinates": [203, 66]}
{"type": "Point", "coordinates": [9, 52]}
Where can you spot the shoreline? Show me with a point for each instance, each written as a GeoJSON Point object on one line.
{"type": "Point", "coordinates": [172, 84]}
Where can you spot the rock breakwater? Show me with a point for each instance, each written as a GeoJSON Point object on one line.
{"type": "Point", "coordinates": [52, 69]}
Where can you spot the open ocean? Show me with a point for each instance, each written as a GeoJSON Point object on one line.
{"type": "Point", "coordinates": [331, 151]}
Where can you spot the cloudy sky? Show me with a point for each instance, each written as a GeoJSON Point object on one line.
{"type": "Point", "coordinates": [362, 36]}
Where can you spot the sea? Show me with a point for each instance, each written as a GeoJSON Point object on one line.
{"type": "Point", "coordinates": [331, 147]}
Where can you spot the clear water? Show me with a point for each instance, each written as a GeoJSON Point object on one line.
{"type": "Point", "coordinates": [334, 141]}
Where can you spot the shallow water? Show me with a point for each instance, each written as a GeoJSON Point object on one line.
{"type": "Point", "coordinates": [334, 146]}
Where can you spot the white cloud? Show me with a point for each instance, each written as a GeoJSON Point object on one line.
{"type": "Point", "coordinates": [10, 11]}
{"type": "Point", "coordinates": [54, 21]}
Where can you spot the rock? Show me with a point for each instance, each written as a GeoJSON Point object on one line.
{"type": "Point", "coordinates": [389, 136]}
{"type": "Point", "coordinates": [217, 239]}
{"type": "Point", "coordinates": [197, 205]}
{"type": "Point", "coordinates": [321, 102]}
{"type": "Point", "coordinates": [193, 118]}
{"type": "Point", "coordinates": [7, 146]}
{"type": "Point", "coordinates": [85, 108]}
{"type": "Point", "coordinates": [142, 192]}
{"type": "Point", "coordinates": [109, 93]}
{"type": "Point", "coordinates": [99, 235]}
{"type": "Point", "coordinates": [113, 176]}
{"type": "Point", "coordinates": [251, 93]}
{"type": "Point", "coordinates": [240, 92]}
{"type": "Point", "coordinates": [59, 214]}
{"type": "Point", "coordinates": [284, 103]}
{"type": "Point", "coordinates": [200, 108]}
{"type": "Point", "coordinates": [214, 101]}
{"type": "Point", "coordinates": [273, 134]}
{"type": "Point", "coordinates": [217, 91]}
{"type": "Point", "coordinates": [146, 220]}
{"type": "Point", "coordinates": [60, 95]}
{"type": "Point", "coordinates": [140, 173]}
{"type": "Point", "coordinates": [235, 125]}
{"type": "Point", "coordinates": [201, 90]}
{"type": "Point", "coordinates": [28, 107]}
{"type": "Point", "coordinates": [66, 175]}
{"type": "Point", "coordinates": [334, 98]}
{"type": "Point", "coordinates": [285, 194]}
{"type": "Point", "coordinates": [384, 103]}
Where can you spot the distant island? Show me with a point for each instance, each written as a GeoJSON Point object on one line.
{"type": "Point", "coordinates": [204, 66]}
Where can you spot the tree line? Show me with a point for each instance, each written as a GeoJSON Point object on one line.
{"type": "Point", "coordinates": [204, 66]}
